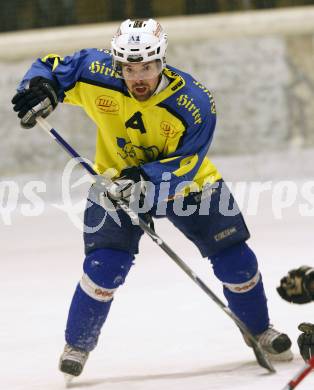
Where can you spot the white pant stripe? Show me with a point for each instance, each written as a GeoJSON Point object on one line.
{"type": "Point", "coordinates": [94, 291]}
{"type": "Point", "coordinates": [244, 287]}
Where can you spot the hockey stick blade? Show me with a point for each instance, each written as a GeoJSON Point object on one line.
{"type": "Point", "coordinates": [262, 358]}
{"type": "Point", "coordinates": [260, 355]}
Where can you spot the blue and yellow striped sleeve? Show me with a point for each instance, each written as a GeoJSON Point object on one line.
{"type": "Point", "coordinates": [63, 71]}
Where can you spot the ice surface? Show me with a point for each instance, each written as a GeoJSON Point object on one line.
{"type": "Point", "coordinates": [163, 331]}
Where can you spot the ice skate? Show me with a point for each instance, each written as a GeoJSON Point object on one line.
{"type": "Point", "coordinates": [72, 362]}
{"type": "Point", "coordinates": [276, 344]}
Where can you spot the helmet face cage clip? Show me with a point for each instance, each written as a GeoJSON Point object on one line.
{"type": "Point", "coordinates": [138, 41]}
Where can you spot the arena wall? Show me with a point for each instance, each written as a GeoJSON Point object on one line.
{"type": "Point", "coordinates": [258, 65]}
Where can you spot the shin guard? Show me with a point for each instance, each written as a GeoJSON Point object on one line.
{"type": "Point", "coordinates": [104, 271]}
{"type": "Point", "coordinates": [237, 268]}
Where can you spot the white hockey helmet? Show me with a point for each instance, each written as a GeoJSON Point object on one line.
{"type": "Point", "coordinates": [138, 41]}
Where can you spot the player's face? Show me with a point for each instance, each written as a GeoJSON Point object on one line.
{"type": "Point", "coordinates": [142, 79]}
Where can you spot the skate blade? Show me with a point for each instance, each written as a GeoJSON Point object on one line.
{"type": "Point", "coordinates": [68, 380]}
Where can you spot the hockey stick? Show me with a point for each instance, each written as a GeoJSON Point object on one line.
{"type": "Point", "coordinates": [261, 357]}
{"type": "Point", "coordinates": [306, 369]}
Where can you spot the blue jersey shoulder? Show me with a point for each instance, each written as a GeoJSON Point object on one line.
{"type": "Point", "coordinates": [95, 58]}
{"type": "Point", "coordinates": [96, 68]}
{"type": "Point", "coordinates": [193, 101]}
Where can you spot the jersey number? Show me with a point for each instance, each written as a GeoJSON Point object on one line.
{"type": "Point", "coordinates": [136, 122]}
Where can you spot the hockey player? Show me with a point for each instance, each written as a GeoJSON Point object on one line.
{"type": "Point", "coordinates": [298, 287]}
{"type": "Point", "coordinates": [156, 123]}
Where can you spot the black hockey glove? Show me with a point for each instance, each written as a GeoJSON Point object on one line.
{"type": "Point", "coordinates": [306, 340]}
{"type": "Point", "coordinates": [130, 186]}
{"type": "Point", "coordinates": [40, 99]}
{"type": "Point", "coordinates": [130, 182]}
{"type": "Point", "coordinates": [298, 285]}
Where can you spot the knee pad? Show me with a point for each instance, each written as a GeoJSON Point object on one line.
{"type": "Point", "coordinates": [104, 271]}
{"type": "Point", "coordinates": [237, 268]}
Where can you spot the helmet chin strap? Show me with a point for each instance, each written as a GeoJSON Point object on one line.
{"type": "Point", "coordinates": [162, 84]}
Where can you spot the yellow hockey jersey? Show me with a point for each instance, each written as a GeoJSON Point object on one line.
{"type": "Point", "coordinates": [169, 133]}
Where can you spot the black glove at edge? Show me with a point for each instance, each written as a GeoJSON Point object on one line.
{"type": "Point", "coordinates": [296, 286]}
{"type": "Point", "coordinates": [306, 340]}
{"type": "Point", "coordinates": [40, 99]}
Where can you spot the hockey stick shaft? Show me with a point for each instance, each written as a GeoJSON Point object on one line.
{"type": "Point", "coordinates": [61, 141]}
{"type": "Point", "coordinates": [306, 369]}
{"type": "Point", "coordinates": [261, 357]}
